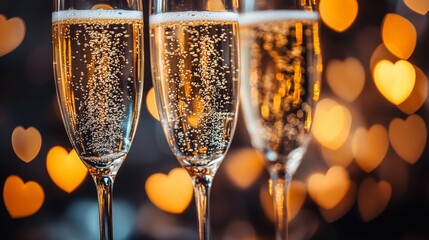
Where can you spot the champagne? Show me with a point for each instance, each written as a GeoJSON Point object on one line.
{"type": "Point", "coordinates": [98, 64]}
{"type": "Point", "coordinates": [196, 73]}
{"type": "Point", "coordinates": [281, 81]}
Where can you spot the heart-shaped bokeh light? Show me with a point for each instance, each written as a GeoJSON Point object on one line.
{"type": "Point", "coordinates": [346, 78]}
{"type": "Point", "coordinates": [22, 199]}
{"type": "Point", "coordinates": [395, 81]}
{"type": "Point", "coordinates": [65, 168]}
{"type": "Point", "coordinates": [370, 146]}
{"type": "Point", "coordinates": [408, 137]}
{"type": "Point", "coordinates": [338, 14]}
{"type": "Point", "coordinates": [26, 143]}
{"type": "Point", "coordinates": [399, 35]}
{"type": "Point", "coordinates": [12, 32]}
{"type": "Point", "coordinates": [331, 124]}
{"type": "Point", "coordinates": [373, 198]}
{"type": "Point", "coordinates": [419, 6]}
{"type": "Point", "coordinates": [171, 193]}
{"type": "Point", "coordinates": [244, 166]}
{"type": "Point", "coordinates": [329, 189]}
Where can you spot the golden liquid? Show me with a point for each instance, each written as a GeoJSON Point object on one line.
{"type": "Point", "coordinates": [281, 83]}
{"type": "Point", "coordinates": [196, 74]}
{"type": "Point", "coordinates": [98, 66]}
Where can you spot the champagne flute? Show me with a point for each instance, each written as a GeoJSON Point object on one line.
{"type": "Point", "coordinates": [281, 71]}
{"type": "Point", "coordinates": [195, 68]}
{"type": "Point", "coordinates": [98, 68]}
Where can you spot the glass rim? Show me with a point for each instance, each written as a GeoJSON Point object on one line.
{"type": "Point", "coordinates": [97, 14]}
{"type": "Point", "coordinates": [247, 18]}
{"type": "Point", "coordinates": [165, 17]}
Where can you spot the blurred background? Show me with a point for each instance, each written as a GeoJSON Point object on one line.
{"type": "Point", "coordinates": [365, 175]}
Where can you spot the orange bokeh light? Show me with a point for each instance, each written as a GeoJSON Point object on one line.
{"type": "Point", "coordinates": [419, 94]}
{"type": "Point", "coordinates": [329, 189]}
{"type": "Point", "coordinates": [408, 137]}
{"type": "Point", "coordinates": [373, 198]}
{"type": "Point", "coordinates": [332, 215]}
{"type": "Point", "coordinates": [418, 6]}
{"type": "Point", "coordinates": [22, 199]}
{"type": "Point", "coordinates": [346, 78]}
{"type": "Point", "coordinates": [215, 5]}
{"type": "Point", "coordinates": [102, 6]}
{"type": "Point", "coordinates": [342, 156]}
{"type": "Point", "coordinates": [338, 14]}
{"type": "Point", "coordinates": [395, 81]}
{"type": "Point", "coordinates": [370, 146]}
{"type": "Point", "coordinates": [244, 166]}
{"type": "Point", "coordinates": [151, 104]}
{"type": "Point", "coordinates": [381, 53]}
{"type": "Point", "coordinates": [65, 168]}
{"type": "Point", "coordinates": [331, 125]}
{"type": "Point", "coordinates": [399, 35]}
{"type": "Point", "coordinates": [26, 143]}
{"type": "Point", "coordinates": [13, 32]}
{"type": "Point", "coordinates": [171, 193]}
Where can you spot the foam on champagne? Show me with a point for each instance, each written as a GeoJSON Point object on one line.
{"type": "Point", "coordinates": [192, 16]}
{"type": "Point", "coordinates": [96, 14]}
{"type": "Point", "coordinates": [276, 15]}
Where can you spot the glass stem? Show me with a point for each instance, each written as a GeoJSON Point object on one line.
{"type": "Point", "coordinates": [104, 185]}
{"type": "Point", "coordinates": [279, 189]}
{"type": "Point", "coordinates": [202, 186]}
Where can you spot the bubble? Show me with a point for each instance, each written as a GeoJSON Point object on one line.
{"type": "Point", "coordinates": [197, 72]}
{"type": "Point", "coordinates": [99, 94]}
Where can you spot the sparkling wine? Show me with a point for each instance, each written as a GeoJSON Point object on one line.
{"type": "Point", "coordinates": [197, 78]}
{"type": "Point", "coordinates": [281, 59]}
{"type": "Point", "coordinates": [98, 66]}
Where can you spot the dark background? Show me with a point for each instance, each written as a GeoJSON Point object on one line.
{"type": "Point", "coordinates": [27, 98]}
